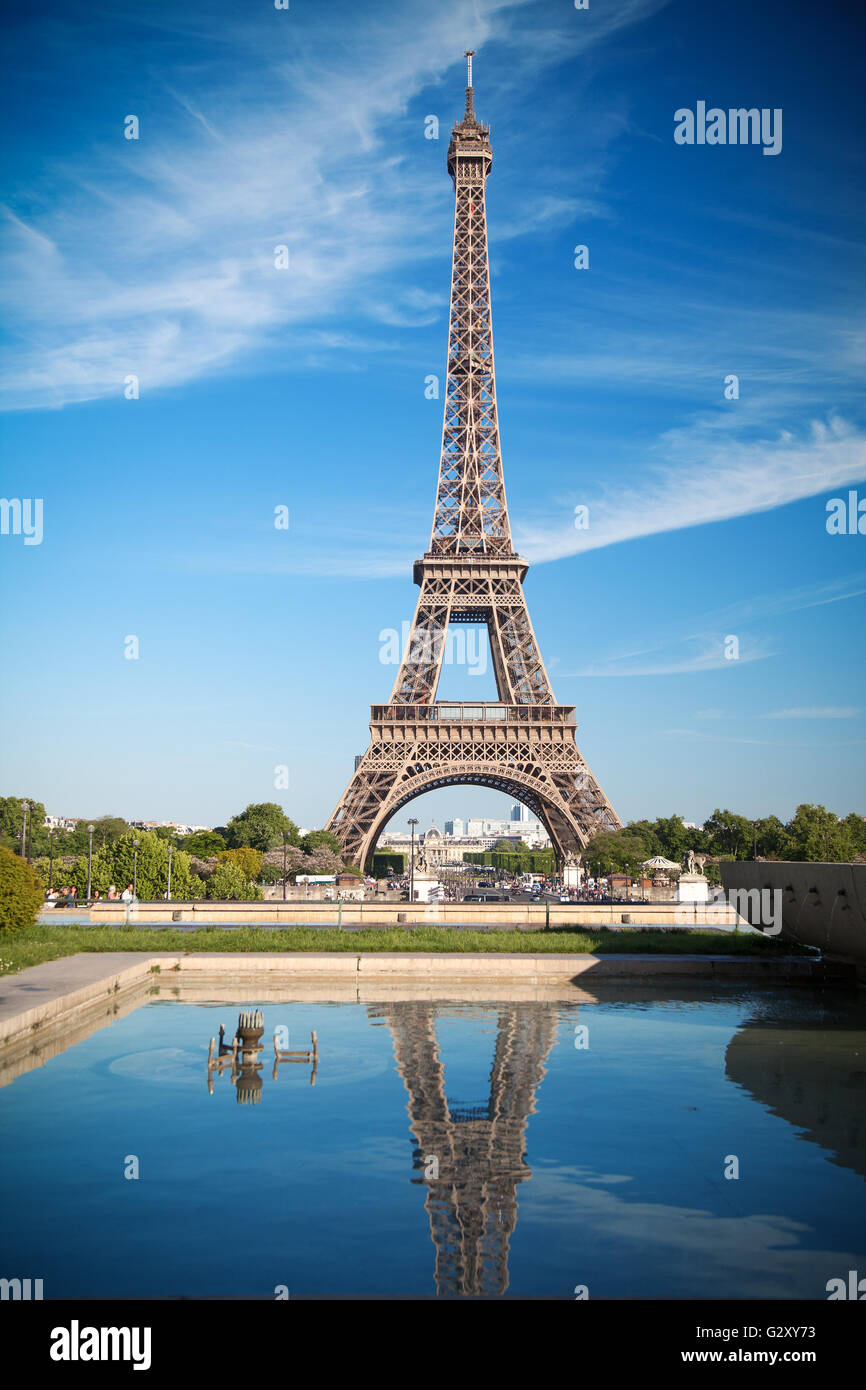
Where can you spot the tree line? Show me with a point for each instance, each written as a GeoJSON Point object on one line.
{"type": "Point", "coordinates": [813, 833]}
{"type": "Point", "coordinates": [211, 862]}
{"type": "Point", "coordinates": [228, 862]}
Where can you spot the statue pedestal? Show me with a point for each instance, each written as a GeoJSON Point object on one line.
{"type": "Point", "coordinates": [426, 888]}
{"type": "Point", "coordinates": [693, 888]}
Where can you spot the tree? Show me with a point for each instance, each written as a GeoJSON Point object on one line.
{"type": "Point", "coordinates": [107, 830]}
{"type": "Point", "coordinates": [817, 834]}
{"type": "Point", "coordinates": [728, 833]}
{"type": "Point", "coordinates": [12, 818]}
{"type": "Point", "coordinates": [316, 838]}
{"type": "Point", "coordinates": [203, 844]}
{"type": "Point", "coordinates": [323, 861]}
{"type": "Point", "coordinates": [646, 831]}
{"type": "Point", "coordinates": [262, 825]}
{"type": "Point", "coordinates": [229, 883]}
{"type": "Point", "coordinates": [114, 866]}
{"type": "Point", "coordinates": [616, 851]}
{"type": "Point", "coordinates": [771, 838]}
{"type": "Point", "coordinates": [672, 836]}
{"type": "Point", "coordinates": [73, 841]}
{"type": "Point", "coordinates": [856, 827]}
{"type": "Point", "coordinates": [247, 859]}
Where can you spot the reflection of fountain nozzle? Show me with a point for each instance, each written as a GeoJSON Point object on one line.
{"type": "Point", "coordinates": [249, 1087]}
{"type": "Point", "coordinates": [244, 1053]}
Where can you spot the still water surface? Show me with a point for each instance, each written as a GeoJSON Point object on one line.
{"type": "Point", "coordinates": [564, 1158]}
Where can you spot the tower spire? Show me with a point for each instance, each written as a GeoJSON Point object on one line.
{"type": "Point", "coordinates": [470, 110]}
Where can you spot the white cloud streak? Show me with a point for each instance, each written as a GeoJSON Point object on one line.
{"type": "Point", "coordinates": [820, 712]}
{"type": "Point", "coordinates": [156, 257]}
{"type": "Point", "coordinates": [695, 478]}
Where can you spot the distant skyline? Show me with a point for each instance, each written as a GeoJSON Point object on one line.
{"type": "Point", "coordinates": [258, 649]}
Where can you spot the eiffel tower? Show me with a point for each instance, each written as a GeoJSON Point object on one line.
{"type": "Point", "coordinates": [524, 743]}
{"type": "Point", "coordinates": [480, 1150]}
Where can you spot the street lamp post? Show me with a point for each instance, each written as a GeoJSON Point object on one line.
{"type": "Point", "coordinates": [50, 858]}
{"type": "Point", "coordinates": [89, 859]}
{"type": "Point", "coordinates": [285, 846]}
{"type": "Point", "coordinates": [24, 805]}
{"type": "Point", "coordinates": [135, 868]}
{"type": "Point", "coordinates": [168, 884]}
{"type": "Point", "coordinates": [413, 822]}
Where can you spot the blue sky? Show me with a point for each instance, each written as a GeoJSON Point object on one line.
{"type": "Point", "coordinates": [304, 388]}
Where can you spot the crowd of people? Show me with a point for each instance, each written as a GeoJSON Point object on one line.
{"type": "Point", "coordinates": [68, 896]}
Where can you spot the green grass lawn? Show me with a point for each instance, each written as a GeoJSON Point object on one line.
{"type": "Point", "coordinates": [44, 942]}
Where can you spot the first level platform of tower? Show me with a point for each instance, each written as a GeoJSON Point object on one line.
{"type": "Point", "coordinates": [528, 752]}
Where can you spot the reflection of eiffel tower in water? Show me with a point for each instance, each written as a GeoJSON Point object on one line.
{"type": "Point", "coordinates": [479, 1150]}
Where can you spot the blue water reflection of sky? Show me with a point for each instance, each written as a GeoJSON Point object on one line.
{"type": "Point", "coordinates": [314, 1188]}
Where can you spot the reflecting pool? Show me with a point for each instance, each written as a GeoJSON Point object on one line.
{"type": "Point", "coordinates": [659, 1143]}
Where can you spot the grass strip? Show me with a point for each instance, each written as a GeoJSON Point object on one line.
{"type": "Point", "coordinates": [44, 943]}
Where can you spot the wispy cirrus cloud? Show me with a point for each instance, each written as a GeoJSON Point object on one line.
{"type": "Point", "coordinates": [816, 712]}
{"type": "Point", "coordinates": [675, 657]}
{"type": "Point", "coordinates": [803, 712]}
{"type": "Point", "coordinates": [689, 653]}
{"type": "Point", "coordinates": [693, 477]}
{"type": "Point", "coordinates": [156, 257]}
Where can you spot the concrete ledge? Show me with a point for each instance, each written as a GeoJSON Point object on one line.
{"type": "Point", "coordinates": [286, 963]}
{"type": "Point", "coordinates": [49, 993]}
{"type": "Point", "coordinates": [526, 916]}
{"type": "Point", "coordinates": [46, 993]}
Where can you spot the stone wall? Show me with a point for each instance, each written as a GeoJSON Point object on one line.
{"type": "Point", "coordinates": [822, 905]}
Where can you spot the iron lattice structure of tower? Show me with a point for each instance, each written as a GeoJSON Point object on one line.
{"type": "Point", "coordinates": [524, 744]}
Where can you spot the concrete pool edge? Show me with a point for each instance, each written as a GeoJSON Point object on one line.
{"type": "Point", "coordinates": [74, 983]}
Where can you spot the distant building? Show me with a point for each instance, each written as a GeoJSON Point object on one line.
{"type": "Point", "coordinates": [479, 825]}
{"type": "Point", "coordinates": [174, 826]}
{"type": "Point", "coordinates": [462, 836]}
{"type": "Point", "coordinates": [519, 812]}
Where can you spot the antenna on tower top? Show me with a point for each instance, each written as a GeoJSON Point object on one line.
{"type": "Point", "coordinates": [470, 112]}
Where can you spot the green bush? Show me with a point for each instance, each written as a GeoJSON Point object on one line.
{"type": "Point", "coordinates": [21, 894]}
{"type": "Point", "coordinates": [228, 882]}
